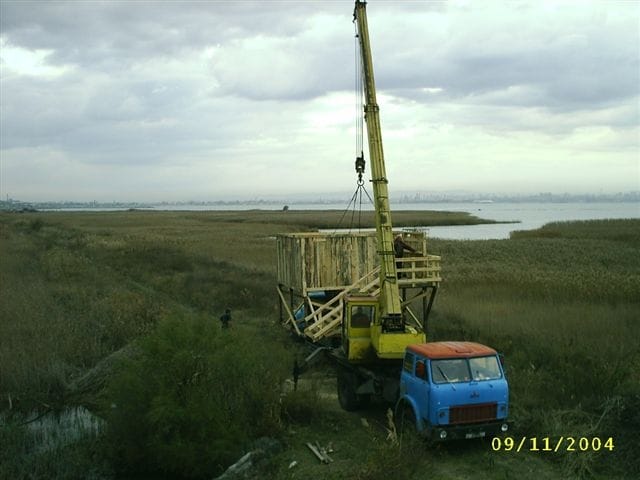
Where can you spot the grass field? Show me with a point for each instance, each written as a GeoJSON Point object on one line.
{"type": "Point", "coordinates": [561, 302]}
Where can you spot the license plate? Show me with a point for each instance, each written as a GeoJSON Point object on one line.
{"type": "Point", "coordinates": [474, 435]}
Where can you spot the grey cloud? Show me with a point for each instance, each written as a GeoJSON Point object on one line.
{"type": "Point", "coordinates": [556, 78]}
{"type": "Point", "coordinates": [95, 120]}
{"type": "Point", "coordinates": [284, 69]}
{"type": "Point", "coordinates": [85, 32]}
{"type": "Point", "coordinates": [113, 37]}
{"type": "Point", "coordinates": [572, 68]}
{"type": "Point", "coordinates": [160, 83]}
{"type": "Point", "coordinates": [564, 67]}
{"type": "Point", "coordinates": [128, 120]}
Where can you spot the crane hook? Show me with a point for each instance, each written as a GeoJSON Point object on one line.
{"type": "Point", "coordinates": [360, 164]}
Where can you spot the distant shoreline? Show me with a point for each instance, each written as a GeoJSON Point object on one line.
{"type": "Point", "coordinates": [17, 205]}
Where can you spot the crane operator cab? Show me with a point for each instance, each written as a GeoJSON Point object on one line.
{"type": "Point", "coordinates": [359, 314]}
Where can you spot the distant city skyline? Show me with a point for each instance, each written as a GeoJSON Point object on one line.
{"type": "Point", "coordinates": [173, 101]}
{"type": "Point", "coordinates": [334, 199]}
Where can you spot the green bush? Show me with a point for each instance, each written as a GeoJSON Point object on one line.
{"type": "Point", "coordinates": [193, 399]}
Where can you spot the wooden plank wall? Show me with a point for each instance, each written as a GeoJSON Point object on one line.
{"type": "Point", "coordinates": [329, 261]}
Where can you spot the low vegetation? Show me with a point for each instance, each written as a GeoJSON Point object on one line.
{"type": "Point", "coordinates": [560, 302]}
{"type": "Point", "coordinates": [193, 398]}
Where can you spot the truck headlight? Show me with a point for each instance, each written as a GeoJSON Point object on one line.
{"type": "Point", "coordinates": [443, 434]}
{"type": "Point", "coordinates": [504, 427]}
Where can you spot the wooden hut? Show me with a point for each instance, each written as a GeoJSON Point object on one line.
{"type": "Point", "coordinates": [317, 270]}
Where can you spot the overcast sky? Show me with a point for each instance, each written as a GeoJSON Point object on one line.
{"type": "Point", "coordinates": [149, 101]}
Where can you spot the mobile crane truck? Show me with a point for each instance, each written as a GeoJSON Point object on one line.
{"type": "Point", "coordinates": [353, 290]}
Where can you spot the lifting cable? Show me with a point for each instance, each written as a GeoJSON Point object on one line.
{"type": "Point", "coordinates": [357, 199]}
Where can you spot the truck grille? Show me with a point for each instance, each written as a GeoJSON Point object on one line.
{"type": "Point", "coordinates": [473, 413]}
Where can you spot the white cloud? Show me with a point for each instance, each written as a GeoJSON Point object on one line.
{"type": "Point", "coordinates": [22, 61]}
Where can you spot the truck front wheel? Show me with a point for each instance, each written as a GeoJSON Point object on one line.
{"type": "Point", "coordinates": [405, 420]}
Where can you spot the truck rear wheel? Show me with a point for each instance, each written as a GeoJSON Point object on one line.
{"type": "Point", "coordinates": [347, 384]}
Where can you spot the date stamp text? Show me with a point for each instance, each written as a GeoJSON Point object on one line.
{"type": "Point", "coordinates": [552, 444]}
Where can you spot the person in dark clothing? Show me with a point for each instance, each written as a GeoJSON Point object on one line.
{"type": "Point", "coordinates": [399, 246]}
{"type": "Point", "coordinates": [225, 318]}
{"type": "Point", "coordinates": [296, 374]}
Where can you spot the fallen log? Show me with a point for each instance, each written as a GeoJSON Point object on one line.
{"type": "Point", "coordinates": [87, 389]}
{"type": "Point", "coordinates": [249, 464]}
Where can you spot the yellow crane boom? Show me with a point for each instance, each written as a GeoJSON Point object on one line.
{"type": "Point", "coordinates": [389, 333]}
{"type": "Point", "coordinates": [391, 310]}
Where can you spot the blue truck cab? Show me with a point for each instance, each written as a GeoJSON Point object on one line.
{"type": "Point", "coordinates": [451, 390]}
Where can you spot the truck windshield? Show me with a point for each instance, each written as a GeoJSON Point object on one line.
{"type": "Point", "coordinates": [455, 370]}
{"type": "Point", "coordinates": [451, 370]}
{"type": "Point", "coordinates": [485, 368]}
